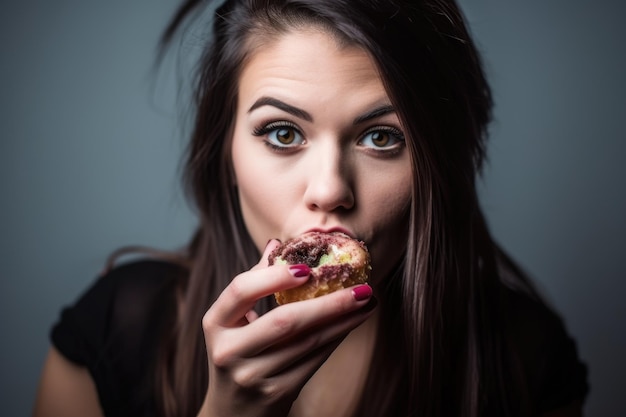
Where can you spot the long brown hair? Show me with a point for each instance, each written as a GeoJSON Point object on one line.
{"type": "Point", "coordinates": [441, 349]}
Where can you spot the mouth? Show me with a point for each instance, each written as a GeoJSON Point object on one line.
{"type": "Point", "coordinates": [337, 229]}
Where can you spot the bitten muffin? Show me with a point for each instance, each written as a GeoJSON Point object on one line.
{"type": "Point", "coordinates": [336, 260]}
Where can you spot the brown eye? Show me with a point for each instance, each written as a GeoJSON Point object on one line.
{"type": "Point", "coordinates": [285, 136]}
{"type": "Point", "coordinates": [380, 138]}
{"type": "Point", "coordinates": [281, 135]}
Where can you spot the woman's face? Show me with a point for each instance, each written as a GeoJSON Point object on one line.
{"type": "Point", "coordinates": [318, 146]}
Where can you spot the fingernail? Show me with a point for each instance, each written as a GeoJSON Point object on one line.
{"type": "Point", "coordinates": [299, 270]}
{"type": "Point", "coordinates": [267, 245]}
{"type": "Point", "coordinates": [362, 292]}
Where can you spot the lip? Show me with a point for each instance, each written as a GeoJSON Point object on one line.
{"type": "Point", "coordinates": [331, 230]}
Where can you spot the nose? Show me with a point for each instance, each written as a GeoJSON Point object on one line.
{"type": "Point", "coordinates": [330, 181]}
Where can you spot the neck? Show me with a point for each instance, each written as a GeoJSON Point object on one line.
{"type": "Point", "coordinates": [336, 387]}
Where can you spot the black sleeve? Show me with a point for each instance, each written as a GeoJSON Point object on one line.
{"type": "Point", "coordinates": [555, 374]}
{"type": "Point", "coordinates": [562, 374]}
{"type": "Point", "coordinates": [114, 328]}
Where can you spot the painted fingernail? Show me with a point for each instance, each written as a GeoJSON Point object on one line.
{"type": "Point", "coordinates": [362, 292]}
{"type": "Point", "coordinates": [299, 270]}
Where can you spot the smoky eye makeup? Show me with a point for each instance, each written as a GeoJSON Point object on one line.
{"type": "Point", "coordinates": [281, 136]}
{"type": "Point", "coordinates": [382, 141]}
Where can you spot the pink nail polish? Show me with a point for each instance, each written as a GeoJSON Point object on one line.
{"type": "Point", "coordinates": [300, 270]}
{"type": "Point", "coordinates": [362, 292]}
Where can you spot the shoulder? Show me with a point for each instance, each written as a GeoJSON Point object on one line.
{"type": "Point", "coordinates": [137, 286]}
{"type": "Point", "coordinates": [115, 326]}
{"type": "Point", "coordinates": [139, 276]}
{"type": "Point", "coordinates": [117, 302]}
{"type": "Point", "coordinates": [134, 292]}
{"type": "Point", "coordinates": [555, 375]}
{"type": "Point", "coordinates": [121, 295]}
{"type": "Point", "coordinates": [530, 318]}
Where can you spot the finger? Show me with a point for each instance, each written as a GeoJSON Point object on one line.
{"type": "Point", "coordinates": [243, 320]}
{"type": "Point", "coordinates": [251, 316]}
{"type": "Point", "coordinates": [264, 261]}
{"type": "Point", "coordinates": [264, 358]}
{"type": "Point", "coordinates": [296, 350]}
{"type": "Point", "coordinates": [338, 312]}
{"type": "Point", "coordinates": [304, 369]}
{"type": "Point", "coordinates": [292, 378]}
{"type": "Point", "coordinates": [245, 289]}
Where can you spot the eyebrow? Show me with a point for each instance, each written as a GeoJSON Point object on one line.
{"type": "Point", "coordinates": [288, 108]}
{"type": "Point", "coordinates": [374, 114]}
{"type": "Point", "coordinates": [295, 111]}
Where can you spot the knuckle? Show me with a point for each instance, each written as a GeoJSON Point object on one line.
{"type": "Point", "coordinates": [221, 357]}
{"type": "Point", "coordinates": [247, 379]}
{"type": "Point", "coordinates": [271, 391]}
{"type": "Point", "coordinates": [207, 322]}
{"type": "Point", "coordinates": [236, 288]}
{"type": "Point", "coordinates": [283, 323]}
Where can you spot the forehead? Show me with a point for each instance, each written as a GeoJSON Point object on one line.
{"type": "Point", "coordinates": [307, 58]}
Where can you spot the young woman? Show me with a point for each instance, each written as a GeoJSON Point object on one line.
{"type": "Point", "coordinates": [367, 117]}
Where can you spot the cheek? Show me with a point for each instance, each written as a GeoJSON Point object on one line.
{"type": "Point", "coordinates": [388, 194]}
{"type": "Point", "coordinates": [261, 193]}
{"type": "Point", "coordinates": [388, 207]}
{"type": "Point", "coordinates": [250, 193]}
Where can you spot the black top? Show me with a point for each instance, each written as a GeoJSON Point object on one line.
{"type": "Point", "coordinates": [114, 330]}
{"type": "Point", "coordinates": [115, 327]}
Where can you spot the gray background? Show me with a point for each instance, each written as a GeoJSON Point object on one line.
{"type": "Point", "coordinates": [90, 143]}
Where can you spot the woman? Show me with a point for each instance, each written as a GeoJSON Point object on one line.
{"type": "Point", "coordinates": [367, 117]}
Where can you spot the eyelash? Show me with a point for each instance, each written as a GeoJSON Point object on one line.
{"type": "Point", "coordinates": [264, 129]}
{"type": "Point", "coordinates": [268, 127]}
{"type": "Point", "coordinates": [396, 133]}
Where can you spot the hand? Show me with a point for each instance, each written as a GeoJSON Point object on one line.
{"type": "Point", "coordinates": [258, 365]}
